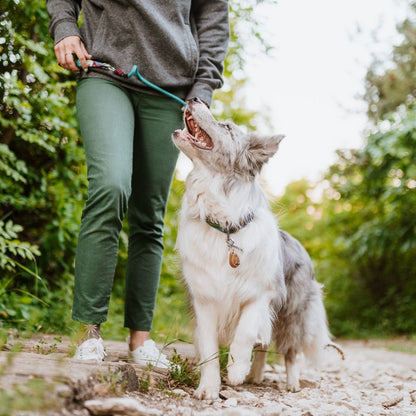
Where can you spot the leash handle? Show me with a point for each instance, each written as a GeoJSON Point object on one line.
{"type": "Point", "coordinates": [134, 71]}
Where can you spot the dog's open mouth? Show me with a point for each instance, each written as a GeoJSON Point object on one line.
{"type": "Point", "coordinates": [197, 136]}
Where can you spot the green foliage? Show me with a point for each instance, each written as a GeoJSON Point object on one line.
{"type": "Point", "coordinates": [41, 163]}
{"type": "Point", "coordinates": [362, 233]}
{"type": "Point", "coordinates": [379, 235]}
{"type": "Point", "coordinates": [394, 87]}
{"type": "Point", "coordinates": [42, 347]}
{"type": "Point", "coordinates": [182, 372]}
{"type": "Point", "coordinates": [30, 397]}
{"type": "Point", "coordinates": [112, 382]}
{"type": "Point", "coordinates": [12, 248]}
{"type": "Point", "coordinates": [373, 199]}
{"type": "Point", "coordinates": [359, 222]}
{"type": "Point", "coordinates": [230, 102]}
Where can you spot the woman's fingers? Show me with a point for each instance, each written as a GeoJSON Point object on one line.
{"type": "Point", "coordinates": [67, 49]}
{"type": "Point", "coordinates": [60, 53]}
{"type": "Point", "coordinates": [82, 55]}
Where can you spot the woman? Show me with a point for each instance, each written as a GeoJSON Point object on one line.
{"type": "Point", "coordinates": [126, 127]}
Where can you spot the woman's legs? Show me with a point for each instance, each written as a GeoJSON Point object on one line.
{"type": "Point", "coordinates": [106, 119]}
{"type": "Point", "coordinates": [131, 160]}
{"type": "Point", "coordinates": [154, 163]}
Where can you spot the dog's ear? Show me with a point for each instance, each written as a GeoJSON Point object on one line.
{"type": "Point", "coordinates": [261, 149]}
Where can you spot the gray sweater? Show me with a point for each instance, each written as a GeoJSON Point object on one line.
{"type": "Point", "coordinates": [179, 45]}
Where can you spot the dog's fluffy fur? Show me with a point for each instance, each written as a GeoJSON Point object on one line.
{"type": "Point", "coordinates": [273, 292]}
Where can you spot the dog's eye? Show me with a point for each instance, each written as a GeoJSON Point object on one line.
{"type": "Point", "coordinates": [226, 126]}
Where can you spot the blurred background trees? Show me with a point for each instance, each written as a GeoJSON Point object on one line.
{"type": "Point", "coordinates": [358, 222]}
{"type": "Point", "coordinates": [392, 85]}
{"type": "Point", "coordinates": [362, 233]}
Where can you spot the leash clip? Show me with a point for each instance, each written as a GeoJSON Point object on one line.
{"type": "Point", "coordinates": [230, 242]}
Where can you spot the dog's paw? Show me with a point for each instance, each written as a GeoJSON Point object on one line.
{"type": "Point", "coordinates": [207, 392]}
{"type": "Point", "coordinates": [254, 378]}
{"type": "Point", "coordinates": [237, 373]}
{"type": "Point", "coordinates": [293, 386]}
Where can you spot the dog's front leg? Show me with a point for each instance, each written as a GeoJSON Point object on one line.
{"type": "Point", "coordinates": [206, 342]}
{"type": "Point", "coordinates": [254, 326]}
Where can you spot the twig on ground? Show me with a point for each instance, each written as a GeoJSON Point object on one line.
{"type": "Point", "coordinates": [390, 403]}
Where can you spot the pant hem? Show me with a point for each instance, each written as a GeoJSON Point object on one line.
{"type": "Point", "coordinates": [89, 321]}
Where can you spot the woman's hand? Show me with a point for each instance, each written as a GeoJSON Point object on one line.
{"type": "Point", "coordinates": [66, 48]}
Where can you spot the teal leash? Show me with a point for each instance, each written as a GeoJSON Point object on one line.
{"type": "Point", "coordinates": [134, 72]}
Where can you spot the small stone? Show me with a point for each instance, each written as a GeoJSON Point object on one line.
{"type": "Point", "coordinates": [119, 406]}
{"type": "Point", "coordinates": [63, 390]}
{"type": "Point", "coordinates": [228, 393]}
{"type": "Point", "coordinates": [180, 392]}
{"type": "Point", "coordinates": [129, 378]}
{"type": "Point", "coordinates": [310, 384]}
{"type": "Point", "coordinates": [101, 389]}
{"type": "Point", "coordinates": [231, 402]}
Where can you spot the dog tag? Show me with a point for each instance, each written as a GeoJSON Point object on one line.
{"type": "Point", "coordinates": [233, 259]}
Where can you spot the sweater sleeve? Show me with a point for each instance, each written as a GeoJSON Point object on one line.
{"type": "Point", "coordinates": [212, 25]}
{"type": "Point", "coordinates": [63, 18]}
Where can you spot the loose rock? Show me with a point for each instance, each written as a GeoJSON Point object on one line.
{"type": "Point", "coordinates": [120, 406]}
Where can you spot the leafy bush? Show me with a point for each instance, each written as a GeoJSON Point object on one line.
{"type": "Point", "coordinates": [362, 234]}
{"type": "Point", "coordinates": [41, 165]}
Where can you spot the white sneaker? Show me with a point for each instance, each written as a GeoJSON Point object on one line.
{"type": "Point", "coordinates": [91, 349]}
{"type": "Point", "coordinates": [149, 354]}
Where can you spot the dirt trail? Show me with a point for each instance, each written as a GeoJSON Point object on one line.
{"type": "Point", "coordinates": [371, 381]}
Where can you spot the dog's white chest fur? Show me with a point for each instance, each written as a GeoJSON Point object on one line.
{"type": "Point", "coordinates": [205, 251]}
{"type": "Point", "coordinates": [205, 254]}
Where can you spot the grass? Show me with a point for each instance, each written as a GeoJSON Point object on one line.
{"type": "Point", "coordinates": [182, 372]}
{"type": "Point", "coordinates": [404, 344]}
{"type": "Point", "coordinates": [398, 344]}
{"type": "Point", "coordinates": [112, 382]}
{"type": "Point", "coordinates": [30, 396]}
{"type": "Point", "coordinates": [401, 348]}
{"type": "Point", "coordinates": [42, 347]}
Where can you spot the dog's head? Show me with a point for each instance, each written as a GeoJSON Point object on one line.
{"type": "Point", "coordinates": [222, 147]}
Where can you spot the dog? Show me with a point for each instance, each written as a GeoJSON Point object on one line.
{"type": "Point", "coordinates": [248, 281]}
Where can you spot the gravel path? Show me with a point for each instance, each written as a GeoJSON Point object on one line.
{"type": "Point", "coordinates": [371, 381]}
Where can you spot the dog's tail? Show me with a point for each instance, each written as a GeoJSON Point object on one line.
{"type": "Point", "coordinates": [314, 351]}
{"type": "Point", "coordinates": [318, 337]}
{"type": "Point", "coordinates": [337, 348]}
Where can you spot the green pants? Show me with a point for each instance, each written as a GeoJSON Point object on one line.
{"type": "Point", "coordinates": [131, 160]}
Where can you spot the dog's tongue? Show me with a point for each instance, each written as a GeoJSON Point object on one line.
{"type": "Point", "coordinates": [198, 136]}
